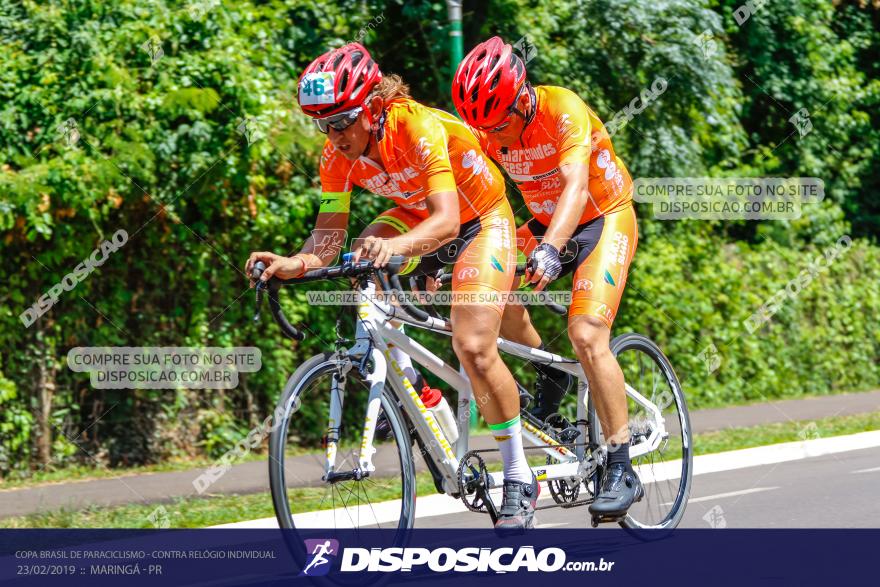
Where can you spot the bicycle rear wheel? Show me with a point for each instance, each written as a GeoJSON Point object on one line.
{"type": "Point", "coordinates": [666, 471]}
{"type": "Point", "coordinates": [301, 494]}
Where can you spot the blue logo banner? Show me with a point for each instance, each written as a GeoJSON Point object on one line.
{"type": "Point", "coordinates": [443, 557]}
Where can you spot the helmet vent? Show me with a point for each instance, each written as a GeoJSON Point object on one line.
{"type": "Point", "coordinates": [475, 94]}
{"type": "Point", "coordinates": [490, 104]}
{"type": "Point", "coordinates": [495, 81]}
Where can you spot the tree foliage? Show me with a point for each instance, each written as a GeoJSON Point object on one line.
{"type": "Point", "coordinates": [177, 123]}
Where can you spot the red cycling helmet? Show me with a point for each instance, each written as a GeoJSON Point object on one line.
{"type": "Point", "coordinates": [487, 82]}
{"type": "Point", "coordinates": [337, 81]}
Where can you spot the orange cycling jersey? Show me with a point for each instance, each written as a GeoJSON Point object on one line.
{"type": "Point", "coordinates": [424, 151]}
{"type": "Point", "coordinates": [564, 130]}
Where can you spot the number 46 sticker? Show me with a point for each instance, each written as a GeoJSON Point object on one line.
{"type": "Point", "coordinates": [317, 88]}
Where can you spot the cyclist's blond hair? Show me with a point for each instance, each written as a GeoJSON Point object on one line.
{"type": "Point", "coordinates": [390, 88]}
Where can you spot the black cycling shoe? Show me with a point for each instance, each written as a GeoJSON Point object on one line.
{"type": "Point", "coordinates": [550, 388]}
{"type": "Point", "coordinates": [620, 489]}
{"type": "Point", "coordinates": [518, 503]}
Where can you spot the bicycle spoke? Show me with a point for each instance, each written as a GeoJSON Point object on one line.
{"type": "Point", "coordinates": [370, 503]}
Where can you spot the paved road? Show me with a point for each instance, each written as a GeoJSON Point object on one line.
{"type": "Point", "coordinates": [839, 490]}
{"type": "Point", "coordinates": [253, 477]}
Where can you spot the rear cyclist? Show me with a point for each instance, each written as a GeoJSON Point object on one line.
{"type": "Point", "coordinates": [432, 167]}
{"type": "Point", "coordinates": [580, 195]}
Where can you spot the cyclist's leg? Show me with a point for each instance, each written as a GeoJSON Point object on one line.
{"type": "Point", "coordinates": [486, 268]}
{"type": "Point", "coordinates": [482, 277]}
{"type": "Point", "coordinates": [516, 325]}
{"type": "Point", "coordinates": [551, 385]}
{"type": "Point", "coordinates": [597, 288]}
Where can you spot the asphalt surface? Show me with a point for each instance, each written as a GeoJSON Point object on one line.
{"type": "Point", "coordinates": [839, 490]}
{"type": "Point", "coordinates": [252, 477]}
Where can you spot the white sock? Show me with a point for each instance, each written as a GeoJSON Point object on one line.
{"type": "Point", "coordinates": [508, 435]}
{"type": "Point", "coordinates": [405, 362]}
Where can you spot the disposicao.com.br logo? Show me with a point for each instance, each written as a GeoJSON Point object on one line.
{"type": "Point", "coordinates": [443, 559]}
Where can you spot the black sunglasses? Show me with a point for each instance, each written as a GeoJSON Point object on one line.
{"type": "Point", "coordinates": [338, 122]}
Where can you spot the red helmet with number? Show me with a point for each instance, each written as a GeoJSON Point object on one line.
{"type": "Point", "coordinates": [337, 81]}
{"type": "Point", "coordinates": [487, 82]}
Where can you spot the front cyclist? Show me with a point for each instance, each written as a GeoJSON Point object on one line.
{"type": "Point", "coordinates": [447, 193]}
{"type": "Point", "coordinates": [580, 194]}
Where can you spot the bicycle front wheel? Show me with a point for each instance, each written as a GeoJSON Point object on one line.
{"type": "Point", "coordinates": [299, 451]}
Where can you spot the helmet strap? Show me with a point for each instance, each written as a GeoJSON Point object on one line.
{"type": "Point", "coordinates": [530, 115]}
{"type": "Point", "coordinates": [534, 109]}
{"type": "Point", "coordinates": [377, 127]}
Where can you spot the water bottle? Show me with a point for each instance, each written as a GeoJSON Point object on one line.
{"type": "Point", "coordinates": [437, 405]}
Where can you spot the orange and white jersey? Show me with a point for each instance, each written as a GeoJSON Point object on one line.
{"type": "Point", "coordinates": [564, 130]}
{"type": "Point", "coordinates": [424, 151]}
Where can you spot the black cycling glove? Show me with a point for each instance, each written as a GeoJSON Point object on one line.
{"type": "Point", "coordinates": [546, 257]}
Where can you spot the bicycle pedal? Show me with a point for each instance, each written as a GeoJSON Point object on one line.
{"type": "Point", "coordinates": [569, 435]}
{"type": "Point", "coordinates": [525, 398]}
{"type": "Point", "coordinates": [596, 520]}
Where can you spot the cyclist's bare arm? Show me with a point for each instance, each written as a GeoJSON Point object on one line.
{"type": "Point", "coordinates": [438, 228]}
{"type": "Point", "coordinates": [319, 250]}
{"type": "Point", "coordinates": [570, 207]}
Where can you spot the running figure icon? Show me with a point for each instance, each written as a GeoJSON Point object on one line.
{"type": "Point", "coordinates": [318, 555]}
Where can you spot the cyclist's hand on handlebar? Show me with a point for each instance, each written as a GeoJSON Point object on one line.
{"type": "Point", "coordinates": [431, 284]}
{"type": "Point", "coordinates": [375, 249]}
{"type": "Point", "coordinates": [276, 265]}
{"type": "Point", "coordinates": [544, 266]}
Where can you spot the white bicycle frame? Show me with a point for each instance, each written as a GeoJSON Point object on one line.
{"type": "Point", "coordinates": [374, 334]}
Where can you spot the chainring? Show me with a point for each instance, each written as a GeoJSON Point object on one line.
{"type": "Point", "coordinates": [472, 473]}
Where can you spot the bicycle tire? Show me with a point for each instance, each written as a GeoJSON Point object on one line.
{"type": "Point", "coordinates": [639, 342]}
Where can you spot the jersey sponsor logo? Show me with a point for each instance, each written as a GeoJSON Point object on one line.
{"type": "Point", "coordinates": [420, 205]}
{"type": "Point", "coordinates": [518, 170]}
{"type": "Point", "coordinates": [500, 229]}
{"type": "Point", "coordinates": [583, 285]}
{"type": "Point", "coordinates": [387, 185]}
{"type": "Point", "coordinates": [551, 184]}
{"type": "Point", "coordinates": [612, 171]}
{"type": "Point", "coordinates": [567, 127]}
{"type": "Point", "coordinates": [520, 161]}
{"type": "Point", "coordinates": [405, 174]}
{"type": "Point", "coordinates": [545, 207]}
{"type": "Point", "coordinates": [425, 149]}
{"type": "Point", "coordinates": [608, 279]}
{"type": "Point", "coordinates": [527, 154]}
{"type": "Point", "coordinates": [496, 264]}
{"type": "Point", "coordinates": [468, 273]}
{"type": "Point", "coordinates": [377, 182]}
{"type": "Point", "coordinates": [619, 248]}
{"type": "Point", "coordinates": [541, 176]}
{"type": "Point", "coordinates": [604, 311]}
{"type": "Point", "coordinates": [474, 161]}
